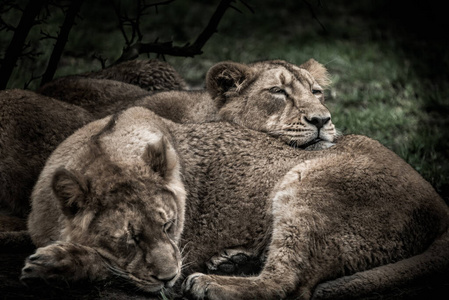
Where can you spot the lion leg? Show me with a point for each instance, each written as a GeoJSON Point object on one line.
{"type": "Point", "coordinates": [396, 276]}
{"type": "Point", "coordinates": [64, 261]}
{"type": "Point", "coordinates": [293, 265]}
{"type": "Point", "coordinates": [279, 277]}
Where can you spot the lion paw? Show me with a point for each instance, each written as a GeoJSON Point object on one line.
{"type": "Point", "coordinates": [234, 261]}
{"type": "Point", "coordinates": [196, 286]}
{"type": "Point", "coordinates": [213, 287]}
{"type": "Point", "coordinates": [47, 263]}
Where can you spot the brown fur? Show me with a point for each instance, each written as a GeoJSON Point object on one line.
{"type": "Point", "coordinates": [109, 201]}
{"type": "Point", "coordinates": [31, 126]}
{"type": "Point", "coordinates": [267, 112]}
{"type": "Point", "coordinates": [151, 75]}
{"type": "Point", "coordinates": [114, 88]}
{"type": "Point", "coordinates": [101, 97]}
{"type": "Point", "coordinates": [275, 97]}
{"type": "Point", "coordinates": [309, 216]}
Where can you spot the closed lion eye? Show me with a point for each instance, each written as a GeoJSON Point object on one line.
{"type": "Point", "coordinates": [169, 225]}
{"type": "Point", "coordinates": [277, 90]}
{"type": "Point", "coordinates": [133, 234]}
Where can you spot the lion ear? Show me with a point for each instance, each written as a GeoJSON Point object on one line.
{"type": "Point", "coordinates": [161, 157]}
{"type": "Point", "coordinates": [318, 71]}
{"type": "Point", "coordinates": [70, 189]}
{"type": "Point", "coordinates": [226, 76]}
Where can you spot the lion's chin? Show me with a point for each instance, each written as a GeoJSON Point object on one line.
{"type": "Point", "coordinates": [145, 285]}
{"type": "Point", "coordinates": [148, 288]}
{"type": "Point", "coordinates": [303, 144]}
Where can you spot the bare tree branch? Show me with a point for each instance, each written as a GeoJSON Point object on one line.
{"type": "Point", "coordinates": [121, 20]}
{"type": "Point", "coordinates": [61, 41]}
{"type": "Point", "coordinates": [101, 59]}
{"type": "Point", "coordinates": [247, 6]}
{"type": "Point", "coordinates": [13, 51]}
{"type": "Point", "coordinates": [46, 35]}
{"type": "Point", "coordinates": [157, 4]}
{"type": "Point", "coordinates": [33, 77]}
{"type": "Point", "coordinates": [134, 22]}
{"type": "Point", "coordinates": [188, 50]}
{"type": "Point", "coordinates": [312, 11]}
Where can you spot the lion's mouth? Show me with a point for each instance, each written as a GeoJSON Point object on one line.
{"type": "Point", "coordinates": [303, 146]}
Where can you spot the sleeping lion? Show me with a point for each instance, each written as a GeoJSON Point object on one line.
{"type": "Point", "coordinates": [122, 196]}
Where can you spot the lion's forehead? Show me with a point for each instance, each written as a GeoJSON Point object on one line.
{"type": "Point", "coordinates": [285, 77]}
{"type": "Point", "coordinates": [118, 218]}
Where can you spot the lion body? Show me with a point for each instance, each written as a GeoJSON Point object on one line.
{"type": "Point", "coordinates": [150, 75]}
{"type": "Point", "coordinates": [273, 112]}
{"type": "Point", "coordinates": [101, 97]}
{"type": "Point", "coordinates": [305, 217]}
{"type": "Point", "coordinates": [308, 216]}
{"type": "Point", "coordinates": [31, 126]}
{"type": "Point", "coordinates": [275, 97]}
{"type": "Point", "coordinates": [112, 89]}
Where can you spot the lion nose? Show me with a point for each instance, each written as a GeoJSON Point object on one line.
{"type": "Point", "coordinates": [318, 122]}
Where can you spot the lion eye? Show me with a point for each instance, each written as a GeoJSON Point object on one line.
{"type": "Point", "coordinates": [317, 92]}
{"type": "Point", "coordinates": [169, 225]}
{"type": "Point", "coordinates": [134, 236]}
{"type": "Point", "coordinates": [277, 90]}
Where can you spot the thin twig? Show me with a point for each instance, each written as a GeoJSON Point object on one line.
{"type": "Point", "coordinates": [61, 41]}
{"type": "Point", "coordinates": [247, 6]}
{"type": "Point", "coordinates": [312, 11]}
{"type": "Point", "coordinates": [46, 35]}
{"type": "Point", "coordinates": [188, 50]}
{"type": "Point", "coordinates": [101, 59]}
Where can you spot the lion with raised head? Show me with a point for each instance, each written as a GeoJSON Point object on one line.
{"type": "Point", "coordinates": [273, 96]}
{"type": "Point", "coordinates": [108, 196]}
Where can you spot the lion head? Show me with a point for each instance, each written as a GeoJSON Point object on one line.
{"type": "Point", "coordinates": [131, 215]}
{"type": "Point", "coordinates": [276, 97]}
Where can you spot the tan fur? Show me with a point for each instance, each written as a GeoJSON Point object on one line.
{"type": "Point", "coordinates": [151, 75]}
{"type": "Point", "coordinates": [31, 126]}
{"type": "Point", "coordinates": [235, 100]}
{"type": "Point", "coordinates": [275, 97]}
{"type": "Point", "coordinates": [308, 216]}
{"type": "Point", "coordinates": [110, 200]}
{"type": "Point", "coordinates": [101, 97]}
{"type": "Point", "coordinates": [112, 89]}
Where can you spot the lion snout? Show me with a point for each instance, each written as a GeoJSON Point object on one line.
{"type": "Point", "coordinates": [318, 122]}
{"type": "Point", "coordinates": [166, 265]}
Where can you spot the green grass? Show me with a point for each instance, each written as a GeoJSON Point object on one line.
{"type": "Point", "coordinates": [383, 85]}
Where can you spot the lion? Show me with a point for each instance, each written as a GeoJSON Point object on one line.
{"type": "Point", "coordinates": [274, 96]}
{"type": "Point", "coordinates": [149, 75]}
{"type": "Point", "coordinates": [354, 213]}
{"type": "Point", "coordinates": [31, 126]}
{"type": "Point", "coordinates": [110, 200]}
{"type": "Point", "coordinates": [100, 97]}
{"type": "Point", "coordinates": [114, 88]}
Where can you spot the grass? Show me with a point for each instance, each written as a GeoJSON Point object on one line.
{"type": "Point", "coordinates": [387, 83]}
